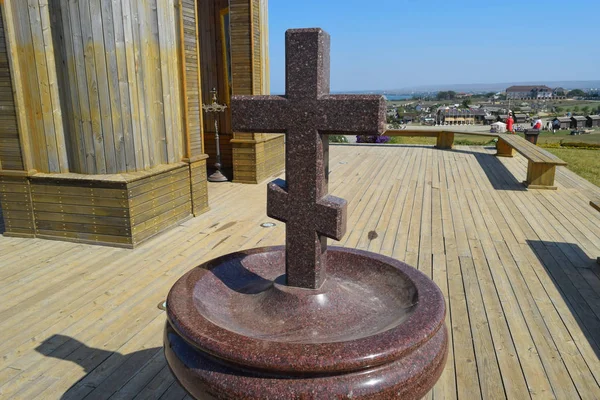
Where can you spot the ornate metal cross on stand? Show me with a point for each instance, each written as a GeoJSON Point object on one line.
{"type": "Point", "coordinates": [307, 114]}
{"type": "Point", "coordinates": [216, 108]}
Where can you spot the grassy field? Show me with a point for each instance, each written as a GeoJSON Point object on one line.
{"type": "Point", "coordinates": [565, 137]}
{"type": "Point", "coordinates": [585, 163]}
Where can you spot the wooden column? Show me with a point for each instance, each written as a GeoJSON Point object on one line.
{"type": "Point", "coordinates": [192, 110]}
{"type": "Point", "coordinates": [29, 37]}
{"type": "Point", "coordinates": [16, 161]}
{"type": "Point", "coordinates": [256, 156]}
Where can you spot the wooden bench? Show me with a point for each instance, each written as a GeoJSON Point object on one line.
{"type": "Point", "coordinates": [445, 139]}
{"type": "Point", "coordinates": [542, 164]}
{"type": "Point", "coordinates": [596, 204]}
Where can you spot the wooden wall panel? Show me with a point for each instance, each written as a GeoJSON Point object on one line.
{"type": "Point", "coordinates": [158, 202]}
{"type": "Point", "coordinates": [122, 212]}
{"type": "Point", "coordinates": [191, 46]}
{"type": "Point", "coordinates": [16, 206]}
{"type": "Point", "coordinates": [256, 156]}
{"type": "Point", "coordinates": [10, 145]}
{"type": "Point", "coordinates": [120, 82]}
{"type": "Point", "coordinates": [241, 48]}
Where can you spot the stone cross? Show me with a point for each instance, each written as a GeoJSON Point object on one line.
{"type": "Point", "coordinates": [306, 114]}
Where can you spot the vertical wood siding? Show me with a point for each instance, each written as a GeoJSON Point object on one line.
{"type": "Point", "coordinates": [10, 144]}
{"type": "Point", "coordinates": [192, 75]}
{"type": "Point", "coordinates": [124, 95]}
{"type": "Point", "coordinates": [100, 82]}
{"type": "Point", "coordinates": [242, 50]}
{"type": "Point", "coordinates": [38, 85]}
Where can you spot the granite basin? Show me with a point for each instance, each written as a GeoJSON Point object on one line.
{"type": "Point", "coordinates": [374, 329]}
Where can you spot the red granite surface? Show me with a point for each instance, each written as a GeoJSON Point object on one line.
{"type": "Point", "coordinates": [376, 328]}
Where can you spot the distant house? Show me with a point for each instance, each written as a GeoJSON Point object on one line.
{"type": "Point", "coordinates": [593, 121]}
{"type": "Point", "coordinates": [578, 122]}
{"type": "Point", "coordinates": [489, 119]}
{"type": "Point", "coordinates": [564, 122]}
{"type": "Point", "coordinates": [478, 115]}
{"type": "Point", "coordinates": [529, 92]}
{"type": "Point", "coordinates": [493, 109]}
{"type": "Point", "coordinates": [520, 118]}
{"type": "Point", "coordinates": [502, 117]}
{"type": "Point", "coordinates": [559, 93]}
{"type": "Point", "coordinates": [458, 116]}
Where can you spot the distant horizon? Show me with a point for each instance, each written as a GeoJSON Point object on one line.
{"type": "Point", "coordinates": [396, 46]}
{"type": "Point", "coordinates": [478, 87]}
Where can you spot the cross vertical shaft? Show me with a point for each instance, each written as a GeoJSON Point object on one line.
{"type": "Point", "coordinates": [307, 114]}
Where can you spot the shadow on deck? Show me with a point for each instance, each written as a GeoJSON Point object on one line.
{"type": "Point", "coordinates": [572, 272]}
{"type": "Point", "coordinates": [108, 372]}
{"type": "Point", "coordinates": [497, 173]}
{"type": "Point", "coordinates": [2, 227]}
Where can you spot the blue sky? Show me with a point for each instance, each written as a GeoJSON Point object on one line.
{"type": "Point", "coordinates": [390, 44]}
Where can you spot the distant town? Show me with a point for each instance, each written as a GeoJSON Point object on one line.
{"type": "Point", "coordinates": [571, 109]}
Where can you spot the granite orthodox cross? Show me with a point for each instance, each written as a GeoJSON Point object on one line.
{"type": "Point", "coordinates": [306, 114]}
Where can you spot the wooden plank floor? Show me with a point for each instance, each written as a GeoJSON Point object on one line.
{"type": "Point", "coordinates": [517, 268]}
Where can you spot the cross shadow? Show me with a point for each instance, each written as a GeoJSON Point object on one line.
{"type": "Point", "coordinates": [577, 278]}
{"type": "Point", "coordinates": [107, 372]}
{"type": "Point", "coordinates": [231, 271]}
{"type": "Point", "coordinates": [497, 173]}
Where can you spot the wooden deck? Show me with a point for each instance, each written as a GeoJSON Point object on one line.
{"type": "Point", "coordinates": [518, 269]}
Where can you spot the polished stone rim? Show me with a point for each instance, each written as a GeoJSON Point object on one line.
{"type": "Point", "coordinates": [336, 357]}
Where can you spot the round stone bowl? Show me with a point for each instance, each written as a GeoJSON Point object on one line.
{"type": "Point", "coordinates": [374, 330]}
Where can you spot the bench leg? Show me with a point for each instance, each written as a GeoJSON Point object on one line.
{"type": "Point", "coordinates": [503, 149]}
{"type": "Point", "coordinates": [540, 176]}
{"type": "Point", "coordinates": [445, 140]}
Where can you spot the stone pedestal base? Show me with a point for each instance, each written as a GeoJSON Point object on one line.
{"type": "Point", "coordinates": [206, 377]}
{"type": "Point", "coordinates": [373, 330]}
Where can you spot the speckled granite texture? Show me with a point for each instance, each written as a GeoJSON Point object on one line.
{"type": "Point", "coordinates": [375, 329]}
{"type": "Point", "coordinates": [307, 114]}
{"type": "Point", "coordinates": [302, 321]}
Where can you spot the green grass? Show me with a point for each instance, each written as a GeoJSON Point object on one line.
{"type": "Point", "coordinates": [565, 138]}
{"type": "Point", "coordinates": [585, 163]}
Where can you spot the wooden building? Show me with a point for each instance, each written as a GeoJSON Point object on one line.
{"type": "Point", "coordinates": [578, 122]}
{"type": "Point", "coordinates": [489, 119]}
{"type": "Point", "coordinates": [520, 118]}
{"type": "Point", "coordinates": [103, 139]}
{"type": "Point", "coordinates": [563, 122]}
{"type": "Point", "coordinates": [593, 121]}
